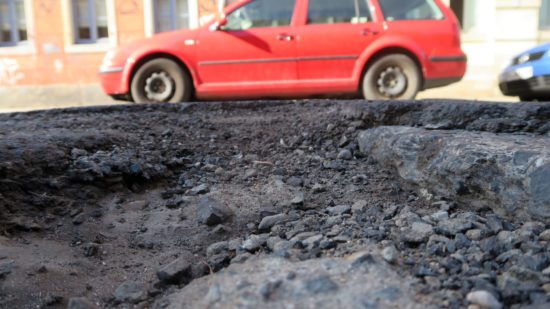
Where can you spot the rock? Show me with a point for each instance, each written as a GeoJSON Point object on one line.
{"type": "Point", "coordinates": [545, 236]}
{"type": "Point", "coordinates": [177, 272]}
{"type": "Point", "coordinates": [484, 299]}
{"type": "Point", "coordinates": [318, 188]}
{"type": "Point", "coordinates": [339, 210]}
{"type": "Point", "coordinates": [494, 223]}
{"type": "Point", "coordinates": [200, 189]}
{"type": "Point", "coordinates": [453, 226]}
{"type": "Point", "coordinates": [91, 249]}
{"type": "Point", "coordinates": [130, 292]}
{"type": "Point", "coordinates": [440, 216]}
{"type": "Point", "coordinates": [217, 248]}
{"type": "Point", "coordinates": [390, 254]}
{"type": "Point", "coordinates": [80, 303]}
{"type": "Point", "coordinates": [249, 173]}
{"type": "Point", "coordinates": [475, 234]}
{"type": "Point", "coordinates": [6, 266]}
{"type": "Point", "coordinates": [268, 222]}
{"type": "Point", "coordinates": [313, 241]}
{"type": "Point", "coordinates": [321, 285]}
{"type": "Point", "coordinates": [443, 205]}
{"type": "Point", "coordinates": [212, 212]}
{"type": "Point", "coordinates": [419, 232]}
{"type": "Point", "coordinates": [79, 219]}
{"type": "Point", "coordinates": [488, 170]}
{"type": "Point", "coordinates": [546, 271]}
{"type": "Point", "coordinates": [345, 154]}
{"type": "Point", "coordinates": [298, 200]}
{"type": "Point", "coordinates": [254, 242]}
{"type": "Point", "coordinates": [295, 181]}
{"type": "Point", "coordinates": [359, 206]}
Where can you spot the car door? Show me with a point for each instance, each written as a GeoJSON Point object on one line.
{"type": "Point", "coordinates": [256, 47]}
{"type": "Point", "coordinates": [333, 37]}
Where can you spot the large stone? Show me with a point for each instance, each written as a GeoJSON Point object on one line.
{"type": "Point", "coordinates": [319, 283]}
{"type": "Point", "coordinates": [177, 272]}
{"type": "Point", "coordinates": [130, 292]}
{"type": "Point", "coordinates": [80, 303]}
{"type": "Point", "coordinates": [212, 212]}
{"type": "Point", "coordinates": [484, 299]}
{"type": "Point", "coordinates": [268, 222]}
{"type": "Point", "coordinates": [508, 173]}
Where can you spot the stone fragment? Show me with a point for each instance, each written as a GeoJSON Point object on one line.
{"type": "Point", "coordinates": [212, 212]}
{"type": "Point", "coordinates": [545, 236]}
{"type": "Point", "coordinates": [419, 232]}
{"type": "Point", "coordinates": [320, 285]}
{"type": "Point", "coordinates": [254, 242]}
{"type": "Point", "coordinates": [268, 222]}
{"type": "Point", "coordinates": [318, 188]}
{"type": "Point", "coordinates": [6, 266]}
{"type": "Point", "coordinates": [453, 226]}
{"type": "Point", "coordinates": [345, 154]}
{"type": "Point", "coordinates": [484, 299]}
{"type": "Point", "coordinates": [390, 254]}
{"type": "Point", "coordinates": [339, 210]}
{"type": "Point", "coordinates": [80, 303]}
{"type": "Point", "coordinates": [200, 189]}
{"type": "Point", "coordinates": [359, 206]}
{"type": "Point", "coordinates": [295, 181]}
{"type": "Point", "coordinates": [177, 272]}
{"type": "Point", "coordinates": [130, 292]}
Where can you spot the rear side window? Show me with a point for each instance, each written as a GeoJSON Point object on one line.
{"type": "Point", "coordinates": [334, 12]}
{"type": "Point", "coordinates": [261, 14]}
{"type": "Point", "coordinates": [410, 10]}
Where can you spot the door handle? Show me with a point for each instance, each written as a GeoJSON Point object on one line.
{"type": "Point", "coordinates": [368, 31]}
{"type": "Point", "coordinates": [284, 37]}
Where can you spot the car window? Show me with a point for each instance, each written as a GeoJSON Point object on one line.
{"type": "Point", "coordinates": [333, 12]}
{"type": "Point", "coordinates": [260, 14]}
{"type": "Point", "coordinates": [410, 10]}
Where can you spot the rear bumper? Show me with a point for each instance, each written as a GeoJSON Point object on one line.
{"type": "Point", "coordinates": [445, 70]}
{"type": "Point", "coordinates": [538, 85]}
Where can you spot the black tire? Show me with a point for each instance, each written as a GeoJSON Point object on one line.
{"type": "Point", "coordinates": [392, 77]}
{"type": "Point", "coordinates": [161, 80]}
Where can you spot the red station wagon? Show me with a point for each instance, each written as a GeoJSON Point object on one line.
{"type": "Point", "coordinates": [382, 49]}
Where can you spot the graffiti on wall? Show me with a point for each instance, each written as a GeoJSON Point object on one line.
{"type": "Point", "coordinates": [9, 72]}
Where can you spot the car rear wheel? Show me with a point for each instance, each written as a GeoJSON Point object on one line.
{"type": "Point", "coordinates": [161, 80]}
{"type": "Point", "coordinates": [392, 77]}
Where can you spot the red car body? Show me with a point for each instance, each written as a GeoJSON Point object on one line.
{"type": "Point", "coordinates": [293, 61]}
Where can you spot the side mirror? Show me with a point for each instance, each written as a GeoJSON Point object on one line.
{"type": "Point", "coordinates": [218, 24]}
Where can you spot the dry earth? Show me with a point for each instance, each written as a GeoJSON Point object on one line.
{"type": "Point", "coordinates": [305, 204]}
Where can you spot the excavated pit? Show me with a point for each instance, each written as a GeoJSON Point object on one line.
{"type": "Point", "coordinates": [276, 204]}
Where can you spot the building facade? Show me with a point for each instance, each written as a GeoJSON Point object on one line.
{"type": "Point", "coordinates": [50, 50]}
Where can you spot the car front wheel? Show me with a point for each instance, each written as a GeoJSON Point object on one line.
{"type": "Point", "coordinates": [395, 77]}
{"type": "Point", "coordinates": [161, 80]}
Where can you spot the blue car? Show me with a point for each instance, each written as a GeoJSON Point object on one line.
{"type": "Point", "coordinates": [528, 76]}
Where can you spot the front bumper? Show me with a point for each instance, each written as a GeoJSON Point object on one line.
{"type": "Point", "coordinates": [112, 81]}
{"type": "Point", "coordinates": [534, 86]}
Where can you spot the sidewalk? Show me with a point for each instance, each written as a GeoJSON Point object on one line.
{"type": "Point", "coordinates": [23, 99]}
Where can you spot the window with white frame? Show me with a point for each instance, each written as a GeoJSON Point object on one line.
{"type": "Point", "coordinates": [90, 21]}
{"type": "Point", "coordinates": [13, 23]}
{"type": "Point", "coordinates": [172, 14]}
{"type": "Point", "coordinates": [544, 21]}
